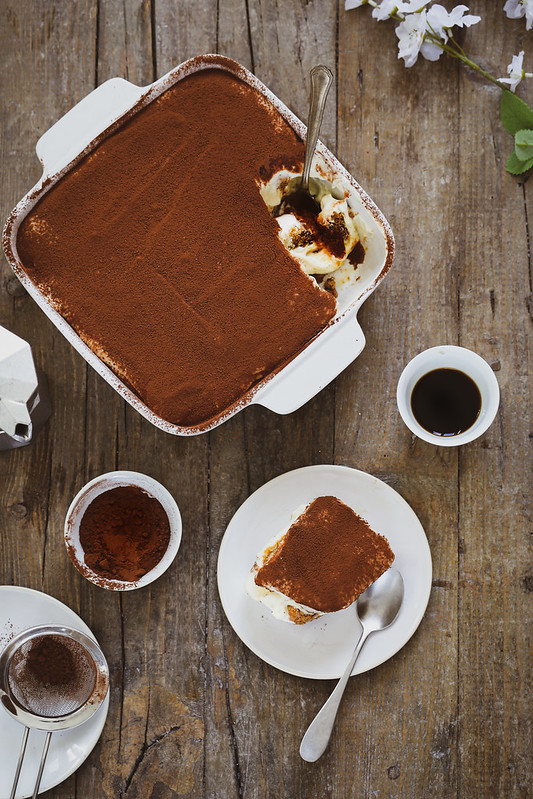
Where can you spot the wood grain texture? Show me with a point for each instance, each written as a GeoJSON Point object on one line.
{"type": "Point", "coordinates": [193, 712]}
{"type": "Point", "coordinates": [385, 137]}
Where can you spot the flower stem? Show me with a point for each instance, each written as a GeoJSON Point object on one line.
{"type": "Point", "coordinates": [464, 58]}
{"type": "Point", "coordinates": [456, 44]}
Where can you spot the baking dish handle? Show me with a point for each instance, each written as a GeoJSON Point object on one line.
{"type": "Point", "coordinates": [314, 368]}
{"type": "Point", "coordinates": [71, 134]}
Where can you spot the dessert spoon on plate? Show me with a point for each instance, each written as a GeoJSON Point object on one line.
{"type": "Point", "coordinates": [376, 608]}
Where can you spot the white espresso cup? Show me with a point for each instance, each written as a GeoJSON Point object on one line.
{"type": "Point", "coordinates": [461, 360]}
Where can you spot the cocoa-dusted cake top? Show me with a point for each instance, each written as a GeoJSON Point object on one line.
{"type": "Point", "coordinates": [158, 249]}
{"type": "Point", "coordinates": [327, 558]}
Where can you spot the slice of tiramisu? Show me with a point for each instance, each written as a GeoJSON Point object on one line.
{"type": "Point", "coordinates": [328, 556]}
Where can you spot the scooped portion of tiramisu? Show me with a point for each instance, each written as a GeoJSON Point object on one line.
{"type": "Point", "coordinates": [322, 242]}
{"type": "Point", "coordinates": [328, 556]}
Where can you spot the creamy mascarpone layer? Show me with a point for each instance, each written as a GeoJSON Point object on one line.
{"type": "Point", "coordinates": [301, 239]}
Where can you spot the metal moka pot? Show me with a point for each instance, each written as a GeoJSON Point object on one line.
{"type": "Point", "coordinates": [24, 401]}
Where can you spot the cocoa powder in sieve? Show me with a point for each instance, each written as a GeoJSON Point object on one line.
{"type": "Point", "coordinates": [52, 675]}
{"type": "Point", "coordinates": [51, 661]}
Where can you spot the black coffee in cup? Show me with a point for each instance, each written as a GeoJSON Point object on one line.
{"type": "Point", "coordinates": [445, 402]}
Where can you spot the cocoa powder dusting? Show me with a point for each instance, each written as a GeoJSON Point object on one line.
{"type": "Point", "coordinates": [159, 251]}
{"type": "Point", "coordinates": [124, 533]}
{"type": "Point", "coordinates": [327, 558]}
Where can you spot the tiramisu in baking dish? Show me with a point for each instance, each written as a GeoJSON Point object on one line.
{"type": "Point", "coordinates": [158, 248]}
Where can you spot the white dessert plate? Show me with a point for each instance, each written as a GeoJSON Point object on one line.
{"type": "Point", "coordinates": [321, 648]}
{"type": "Point", "coordinates": [21, 608]}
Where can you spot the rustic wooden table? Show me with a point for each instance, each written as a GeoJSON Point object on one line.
{"type": "Point", "coordinates": [193, 712]}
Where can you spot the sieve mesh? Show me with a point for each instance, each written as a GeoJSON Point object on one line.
{"type": "Point", "coordinates": [51, 675]}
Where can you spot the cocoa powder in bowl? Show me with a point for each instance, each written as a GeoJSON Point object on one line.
{"type": "Point", "coordinates": [124, 532]}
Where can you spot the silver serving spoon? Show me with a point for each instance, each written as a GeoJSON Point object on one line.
{"type": "Point", "coordinates": [300, 190]}
{"type": "Point", "coordinates": [377, 607]}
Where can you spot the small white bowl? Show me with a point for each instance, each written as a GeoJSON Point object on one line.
{"type": "Point", "coordinates": [449, 357]}
{"type": "Point", "coordinates": [100, 485]}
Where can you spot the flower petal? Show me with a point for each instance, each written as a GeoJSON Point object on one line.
{"type": "Point", "coordinates": [468, 20]}
{"type": "Point", "coordinates": [431, 51]}
{"type": "Point", "coordinates": [410, 35]}
{"type": "Point", "coordinates": [514, 9]}
{"type": "Point", "coordinates": [384, 10]}
{"type": "Point", "coordinates": [529, 14]}
{"type": "Point", "coordinates": [515, 71]}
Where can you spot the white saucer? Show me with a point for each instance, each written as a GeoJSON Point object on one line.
{"type": "Point", "coordinates": [21, 608]}
{"type": "Point", "coordinates": [321, 648]}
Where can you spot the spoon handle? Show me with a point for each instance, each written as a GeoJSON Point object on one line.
{"type": "Point", "coordinates": [318, 733]}
{"type": "Point", "coordinates": [321, 80]}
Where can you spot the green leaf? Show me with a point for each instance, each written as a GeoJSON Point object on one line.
{"type": "Point", "coordinates": [523, 144]}
{"type": "Point", "coordinates": [517, 167]}
{"type": "Point", "coordinates": [514, 113]}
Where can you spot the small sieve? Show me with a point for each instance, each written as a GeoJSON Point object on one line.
{"type": "Point", "coordinates": [51, 678]}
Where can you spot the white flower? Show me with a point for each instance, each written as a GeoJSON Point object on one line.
{"type": "Point", "coordinates": [439, 24]}
{"type": "Point", "coordinates": [389, 7]}
{"type": "Point", "coordinates": [515, 71]}
{"type": "Point", "coordinates": [462, 20]}
{"type": "Point", "coordinates": [520, 8]}
{"type": "Point", "coordinates": [441, 21]}
{"type": "Point", "coordinates": [384, 10]}
{"type": "Point", "coordinates": [410, 35]}
{"type": "Point", "coordinates": [349, 4]}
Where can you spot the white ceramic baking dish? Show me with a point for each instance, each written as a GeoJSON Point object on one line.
{"type": "Point", "coordinates": [326, 355]}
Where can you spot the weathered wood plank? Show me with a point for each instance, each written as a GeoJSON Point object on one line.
{"type": "Point", "coordinates": [183, 30]}
{"type": "Point", "coordinates": [35, 91]}
{"type": "Point", "coordinates": [125, 42]}
{"type": "Point", "coordinates": [158, 640]}
{"type": "Point", "coordinates": [495, 658]}
{"type": "Point", "coordinates": [266, 708]}
{"type": "Point", "coordinates": [386, 122]}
